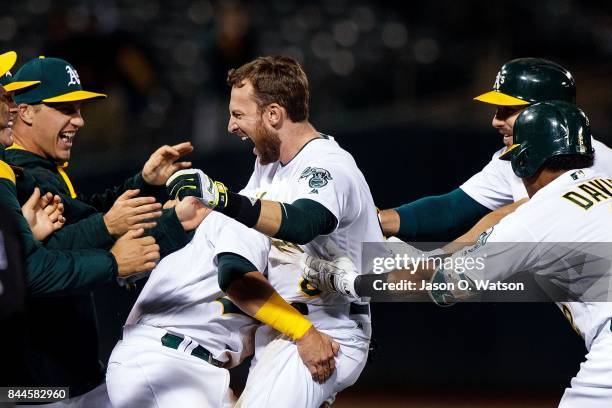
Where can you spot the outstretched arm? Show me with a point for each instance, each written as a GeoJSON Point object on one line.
{"type": "Point", "coordinates": [434, 218]}
{"type": "Point", "coordinates": [341, 276]}
{"type": "Point", "coordinates": [299, 222]}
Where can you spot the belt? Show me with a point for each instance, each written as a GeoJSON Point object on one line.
{"type": "Point", "coordinates": [173, 341]}
{"type": "Point", "coordinates": [354, 308]}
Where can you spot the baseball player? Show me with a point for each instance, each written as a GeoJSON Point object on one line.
{"type": "Point", "coordinates": [182, 334]}
{"type": "Point", "coordinates": [569, 203]}
{"type": "Point", "coordinates": [304, 190]}
{"type": "Point", "coordinates": [190, 316]}
{"type": "Point", "coordinates": [518, 84]}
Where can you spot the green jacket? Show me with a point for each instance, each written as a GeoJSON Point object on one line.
{"type": "Point", "coordinates": [62, 347]}
{"type": "Point", "coordinates": [85, 226]}
{"type": "Point", "coordinates": [47, 359]}
{"type": "Point", "coordinates": [54, 272]}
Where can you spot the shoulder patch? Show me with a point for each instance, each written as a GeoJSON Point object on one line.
{"type": "Point", "coordinates": [317, 177]}
{"type": "Point", "coordinates": [6, 172]}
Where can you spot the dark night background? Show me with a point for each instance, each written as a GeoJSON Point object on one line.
{"type": "Point", "coordinates": [394, 83]}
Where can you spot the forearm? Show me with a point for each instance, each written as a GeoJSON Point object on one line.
{"type": "Point", "coordinates": [55, 273]}
{"type": "Point", "coordinates": [252, 293]}
{"type": "Point", "coordinates": [438, 218]}
{"type": "Point", "coordinates": [249, 292]}
{"type": "Point", "coordinates": [270, 218]}
{"type": "Point", "coordinates": [256, 297]}
{"type": "Point", "coordinates": [299, 222]}
{"type": "Point", "coordinates": [90, 232]}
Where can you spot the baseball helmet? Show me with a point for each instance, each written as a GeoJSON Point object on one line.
{"type": "Point", "coordinates": [524, 81]}
{"type": "Point", "coordinates": [544, 130]}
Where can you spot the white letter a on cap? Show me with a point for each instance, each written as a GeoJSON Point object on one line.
{"type": "Point", "coordinates": [74, 77]}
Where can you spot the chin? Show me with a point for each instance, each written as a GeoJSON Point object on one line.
{"type": "Point", "coordinates": [61, 158]}
{"type": "Point", "coordinates": [6, 138]}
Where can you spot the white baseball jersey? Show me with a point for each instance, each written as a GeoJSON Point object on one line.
{"type": "Point", "coordinates": [575, 208]}
{"type": "Point", "coordinates": [496, 184]}
{"type": "Point", "coordinates": [324, 172]}
{"type": "Point", "coordinates": [182, 291]}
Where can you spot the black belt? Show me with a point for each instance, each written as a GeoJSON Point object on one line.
{"type": "Point", "coordinates": [355, 308]}
{"type": "Point", "coordinates": [173, 341]}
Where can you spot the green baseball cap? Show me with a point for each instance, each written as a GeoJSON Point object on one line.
{"type": "Point", "coordinates": [59, 82]}
{"type": "Point", "coordinates": [7, 60]}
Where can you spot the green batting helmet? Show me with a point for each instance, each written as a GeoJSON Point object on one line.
{"type": "Point", "coordinates": [524, 81]}
{"type": "Point", "coordinates": [544, 130]}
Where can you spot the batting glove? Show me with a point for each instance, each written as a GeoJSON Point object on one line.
{"type": "Point", "coordinates": [194, 182]}
{"type": "Point", "coordinates": [337, 276]}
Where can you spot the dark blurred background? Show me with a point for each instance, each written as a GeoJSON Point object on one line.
{"type": "Point", "coordinates": [394, 83]}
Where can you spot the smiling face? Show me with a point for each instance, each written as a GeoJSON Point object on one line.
{"type": "Point", "coordinates": [247, 121]}
{"type": "Point", "coordinates": [54, 127]}
{"type": "Point", "coordinates": [504, 119]}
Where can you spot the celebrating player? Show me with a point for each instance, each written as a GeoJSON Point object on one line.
{"type": "Point", "coordinates": [304, 190]}
{"type": "Point", "coordinates": [47, 121]}
{"type": "Point", "coordinates": [569, 203]}
{"type": "Point", "coordinates": [519, 83]}
{"type": "Point", "coordinates": [182, 334]}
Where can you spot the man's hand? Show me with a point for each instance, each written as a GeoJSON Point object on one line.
{"type": "Point", "coordinates": [317, 350]}
{"type": "Point", "coordinates": [162, 163]}
{"type": "Point", "coordinates": [336, 276]}
{"type": "Point", "coordinates": [130, 212]}
{"type": "Point", "coordinates": [190, 212]}
{"type": "Point", "coordinates": [193, 182]}
{"type": "Point", "coordinates": [134, 253]}
{"type": "Point", "coordinates": [43, 214]}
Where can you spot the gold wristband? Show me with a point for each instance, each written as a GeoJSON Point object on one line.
{"type": "Point", "coordinates": [280, 315]}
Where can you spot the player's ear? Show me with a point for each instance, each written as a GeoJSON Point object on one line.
{"type": "Point", "coordinates": [274, 114]}
{"type": "Point", "coordinates": [26, 113]}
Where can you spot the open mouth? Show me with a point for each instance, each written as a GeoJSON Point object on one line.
{"type": "Point", "coordinates": [67, 138]}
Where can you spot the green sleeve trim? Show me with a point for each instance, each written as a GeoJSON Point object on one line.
{"type": "Point", "coordinates": [231, 267]}
{"type": "Point", "coordinates": [304, 220]}
{"type": "Point", "coordinates": [439, 218]}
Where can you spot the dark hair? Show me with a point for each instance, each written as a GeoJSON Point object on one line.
{"type": "Point", "coordinates": [568, 162]}
{"type": "Point", "coordinates": [275, 79]}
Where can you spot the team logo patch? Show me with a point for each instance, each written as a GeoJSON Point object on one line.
{"type": "Point", "coordinates": [499, 79]}
{"type": "Point", "coordinates": [74, 77]}
{"type": "Point", "coordinates": [317, 177]}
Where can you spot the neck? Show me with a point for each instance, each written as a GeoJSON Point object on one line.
{"type": "Point", "coordinates": [293, 137]}
{"type": "Point", "coordinates": [540, 180]}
